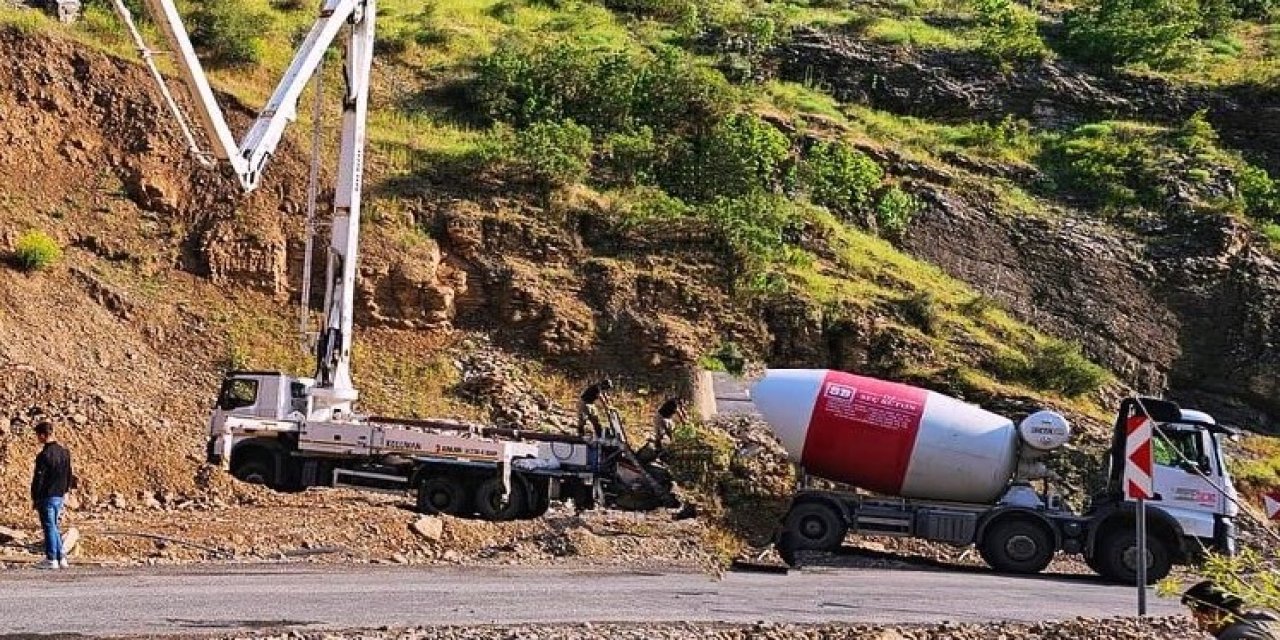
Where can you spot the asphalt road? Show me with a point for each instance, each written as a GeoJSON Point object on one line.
{"type": "Point", "coordinates": [224, 599]}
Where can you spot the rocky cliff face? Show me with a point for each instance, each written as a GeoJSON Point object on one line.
{"type": "Point", "coordinates": [1184, 303]}
{"type": "Point", "coordinates": [960, 86]}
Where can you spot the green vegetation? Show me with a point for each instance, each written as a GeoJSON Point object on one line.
{"type": "Point", "coordinates": [741, 154]}
{"type": "Point", "coordinates": [1250, 574]}
{"type": "Point", "coordinates": [554, 153]}
{"type": "Point", "coordinates": [912, 32]}
{"type": "Point", "coordinates": [1051, 365]}
{"type": "Point", "coordinates": [758, 231]}
{"type": "Point", "coordinates": [1123, 164]}
{"type": "Point", "coordinates": [1163, 34]}
{"type": "Point", "coordinates": [895, 210]}
{"type": "Point", "coordinates": [1257, 467]}
{"type": "Point", "coordinates": [921, 310]}
{"type": "Point", "coordinates": [229, 31]}
{"type": "Point", "coordinates": [666, 112]}
{"type": "Point", "coordinates": [840, 177]}
{"type": "Point", "coordinates": [727, 356]}
{"type": "Point", "coordinates": [1008, 30]}
{"type": "Point", "coordinates": [606, 88]}
{"type": "Point", "coordinates": [36, 251]}
{"type": "Point", "coordinates": [1122, 31]}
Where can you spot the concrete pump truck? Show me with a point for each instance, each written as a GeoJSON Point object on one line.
{"type": "Point", "coordinates": [291, 432]}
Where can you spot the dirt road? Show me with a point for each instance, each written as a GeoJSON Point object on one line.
{"type": "Point", "coordinates": [101, 602]}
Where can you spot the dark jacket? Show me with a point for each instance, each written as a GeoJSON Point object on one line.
{"type": "Point", "coordinates": [52, 477]}
{"type": "Point", "coordinates": [1254, 625]}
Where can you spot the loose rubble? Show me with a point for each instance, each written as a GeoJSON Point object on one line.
{"type": "Point", "coordinates": [494, 380]}
{"type": "Point", "coordinates": [1170, 628]}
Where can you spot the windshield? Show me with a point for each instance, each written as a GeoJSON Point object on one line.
{"type": "Point", "coordinates": [237, 393]}
{"type": "Point", "coordinates": [1177, 446]}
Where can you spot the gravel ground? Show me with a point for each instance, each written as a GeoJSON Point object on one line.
{"type": "Point", "coordinates": [1176, 628]}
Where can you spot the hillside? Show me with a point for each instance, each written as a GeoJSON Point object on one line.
{"type": "Point", "coordinates": [637, 188]}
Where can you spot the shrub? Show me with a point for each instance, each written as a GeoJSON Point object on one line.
{"type": "Point", "coordinates": [229, 32]}
{"type": "Point", "coordinates": [554, 153]}
{"type": "Point", "coordinates": [740, 155]}
{"type": "Point", "coordinates": [1008, 139]}
{"type": "Point", "coordinates": [1254, 9]}
{"type": "Point", "coordinates": [631, 156]}
{"type": "Point", "coordinates": [840, 177]}
{"type": "Point", "coordinates": [1259, 192]}
{"type": "Point", "coordinates": [895, 210]}
{"type": "Point", "coordinates": [1123, 31]}
{"type": "Point", "coordinates": [666, 10]}
{"type": "Point", "coordinates": [921, 310]}
{"type": "Point", "coordinates": [1060, 366]}
{"type": "Point", "coordinates": [728, 357]}
{"type": "Point", "coordinates": [1009, 365]}
{"type": "Point", "coordinates": [757, 231]}
{"type": "Point", "coordinates": [1271, 231]}
{"type": "Point", "coordinates": [36, 250]}
{"type": "Point", "coordinates": [643, 206]}
{"type": "Point", "coordinates": [1008, 31]}
{"type": "Point", "coordinates": [978, 306]}
{"type": "Point", "coordinates": [605, 89]}
{"type": "Point", "coordinates": [1106, 163]}
{"type": "Point", "coordinates": [1119, 164]}
{"type": "Point", "coordinates": [1195, 134]}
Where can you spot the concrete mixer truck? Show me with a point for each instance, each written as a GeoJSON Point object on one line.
{"type": "Point", "coordinates": [934, 467]}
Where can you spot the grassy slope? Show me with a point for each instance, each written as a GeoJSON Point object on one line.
{"type": "Point", "coordinates": [435, 45]}
{"type": "Point", "coordinates": [867, 273]}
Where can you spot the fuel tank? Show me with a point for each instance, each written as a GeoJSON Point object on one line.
{"type": "Point", "coordinates": [888, 437]}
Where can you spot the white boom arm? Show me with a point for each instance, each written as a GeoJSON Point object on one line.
{"type": "Point", "coordinates": [333, 392]}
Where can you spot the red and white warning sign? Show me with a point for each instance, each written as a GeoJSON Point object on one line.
{"type": "Point", "coordinates": [1138, 459]}
{"type": "Point", "coordinates": [1272, 503]}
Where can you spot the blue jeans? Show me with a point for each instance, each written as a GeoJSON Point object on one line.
{"type": "Point", "coordinates": [50, 509]}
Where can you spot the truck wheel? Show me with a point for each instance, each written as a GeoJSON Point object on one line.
{"type": "Point", "coordinates": [1118, 558]}
{"type": "Point", "coordinates": [539, 500]}
{"type": "Point", "coordinates": [815, 526]}
{"type": "Point", "coordinates": [1017, 546]}
{"type": "Point", "coordinates": [442, 494]}
{"type": "Point", "coordinates": [1094, 562]}
{"type": "Point", "coordinates": [491, 504]}
{"type": "Point", "coordinates": [256, 470]}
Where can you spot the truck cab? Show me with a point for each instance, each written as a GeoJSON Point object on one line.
{"type": "Point", "coordinates": [1194, 506]}
{"type": "Point", "coordinates": [264, 402]}
{"type": "Point", "coordinates": [1189, 472]}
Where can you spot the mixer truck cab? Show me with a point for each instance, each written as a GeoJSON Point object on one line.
{"type": "Point", "coordinates": [1195, 499]}
{"type": "Point", "coordinates": [921, 464]}
{"type": "Point", "coordinates": [1191, 480]}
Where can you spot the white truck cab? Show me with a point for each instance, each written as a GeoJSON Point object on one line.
{"type": "Point", "coordinates": [1191, 480]}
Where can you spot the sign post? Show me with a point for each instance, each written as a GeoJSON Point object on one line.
{"type": "Point", "coordinates": [1271, 502]}
{"type": "Point", "coordinates": [1138, 485]}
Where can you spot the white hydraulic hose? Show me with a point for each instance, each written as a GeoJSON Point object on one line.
{"type": "Point", "coordinates": [313, 187]}
{"type": "Point", "coordinates": [149, 59]}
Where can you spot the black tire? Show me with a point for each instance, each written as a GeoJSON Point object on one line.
{"type": "Point", "coordinates": [1118, 553]}
{"type": "Point", "coordinates": [492, 505]}
{"type": "Point", "coordinates": [1095, 563]}
{"type": "Point", "coordinates": [815, 526]}
{"type": "Point", "coordinates": [443, 494]}
{"type": "Point", "coordinates": [1017, 546]}
{"type": "Point", "coordinates": [256, 469]}
{"type": "Point", "coordinates": [539, 500]}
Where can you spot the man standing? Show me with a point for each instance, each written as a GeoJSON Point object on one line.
{"type": "Point", "coordinates": [1220, 612]}
{"type": "Point", "coordinates": [49, 484]}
